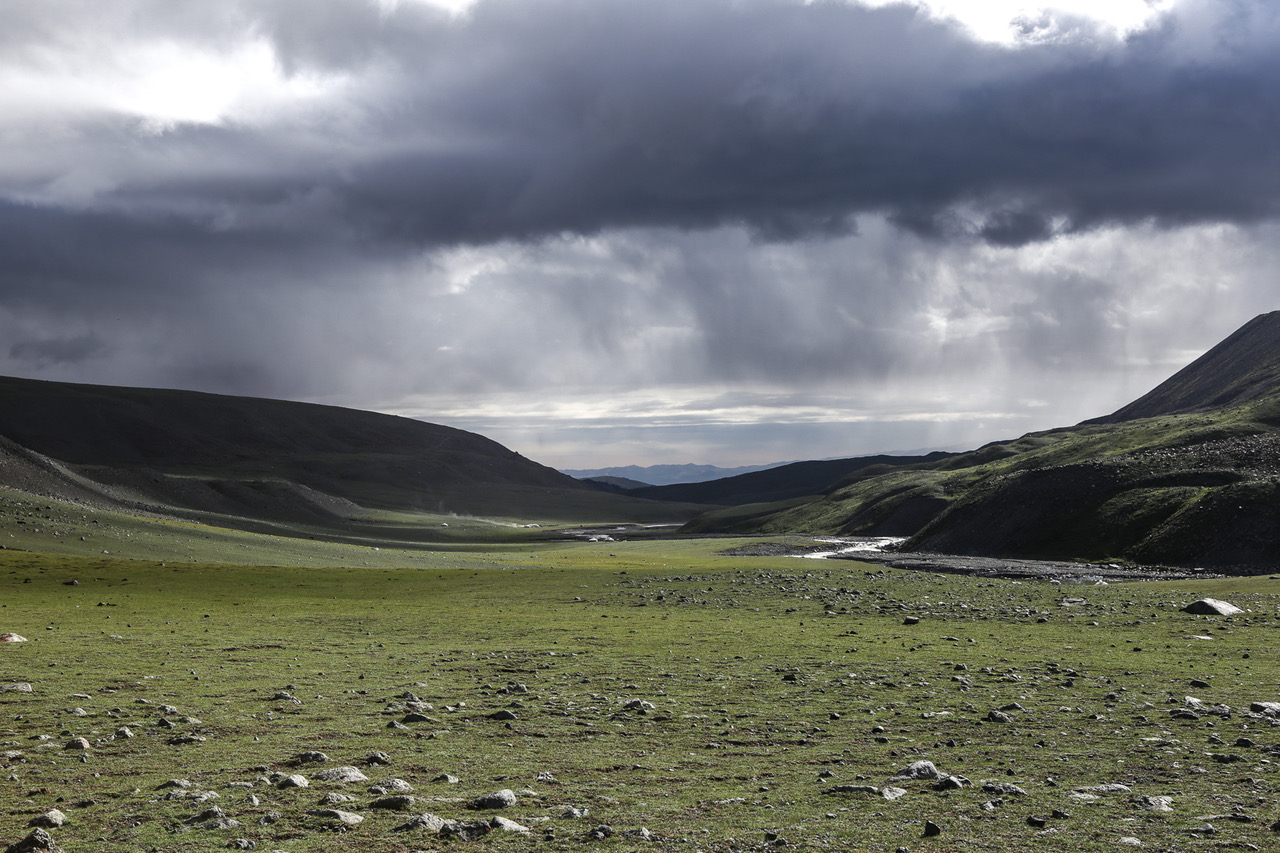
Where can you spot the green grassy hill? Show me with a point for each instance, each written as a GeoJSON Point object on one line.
{"type": "Point", "coordinates": [1194, 483]}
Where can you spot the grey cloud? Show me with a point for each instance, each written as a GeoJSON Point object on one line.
{"type": "Point", "coordinates": [521, 120]}
{"type": "Point", "coordinates": [43, 352]}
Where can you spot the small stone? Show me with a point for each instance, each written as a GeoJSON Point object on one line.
{"type": "Point", "coordinates": [123, 733]}
{"type": "Point", "coordinates": [429, 822]}
{"type": "Point", "coordinates": [333, 798]}
{"type": "Point", "coordinates": [397, 803]}
{"type": "Point", "coordinates": [295, 780]}
{"type": "Point", "coordinates": [78, 743]}
{"type": "Point", "coordinates": [931, 829]}
{"type": "Point", "coordinates": [343, 775]}
{"type": "Point", "coordinates": [16, 687]}
{"type": "Point", "coordinates": [1130, 841]}
{"type": "Point", "coordinates": [241, 844]}
{"type": "Point", "coordinates": [447, 779]}
{"type": "Point", "coordinates": [50, 819]}
{"type": "Point", "coordinates": [503, 799]}
{"type": "Point", "coordinates": [311, 757]}
{"type": "Point", "coordinates": [998, 717]}
{"type": "Point", "coordinates": [504, 714]}
{"type": "Point", "coordinates": [38, 840]}
{"type": "Point", "coordinates": [1037, 822]}
{"type": "Point", "coordinates": [337, 816]}
{"type": "Point", "coordinates": [377, 758]}
{"type": "Point", "coordinates": [502, 824]}
{"type": "Point", "coordinates": [917, 770]}
{"type": "Point", "coordinates": [10, 637]}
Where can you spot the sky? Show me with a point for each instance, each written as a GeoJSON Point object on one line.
{"type": "Point", "coordinates": [605, 232]}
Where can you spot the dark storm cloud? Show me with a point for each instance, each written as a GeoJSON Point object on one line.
{"type": "Point", "coordinates": [526, 119]}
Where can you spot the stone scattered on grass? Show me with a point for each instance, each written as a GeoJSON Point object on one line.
{"type": "Point", "coordinates": [16, 687]}
{"type": "Point", "coordinates": [39, 840]}
{"type": "Point", "coordinates": [916, 770]}
{"type": "Point", "coordinates": [311, 757]}
{"type": "Point", "coordinates": [344, 775]}
{"type": "Point", "coordinates": [123, 733]}
{"type": "Point", "coordinates": [78, 744]}
{"type": "Point", "coordinates": [333, 798]}
{"type": "Point", "coordinates": [10, 637]}
{"type": "Point", "coordinates": [295, 780]}
{"type": "Point", "coordinates": [1154, 804]}
{"type": "Point", "coordinates": [337, 816]}
{"type": "Point", "coordinates": [1211, 607]}
{"type": "Point", "coordinates": [50, 819]}
{"type": "Point", "coordinates": [504, 799]}
{"type": "Point", "coordinates": [397, 803]}
{"type": "Point", "coordinates": [502, 824]}
{"type": "Point", "coordinates": [426, 821]}
{"type": "Point", "coordinates": [447, 779]}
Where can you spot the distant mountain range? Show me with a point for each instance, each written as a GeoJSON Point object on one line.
{"type": "Point", "coordinates": [663, 475]}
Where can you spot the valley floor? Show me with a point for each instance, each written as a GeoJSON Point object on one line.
{"type": "Point", "coordinates": [717, 702]}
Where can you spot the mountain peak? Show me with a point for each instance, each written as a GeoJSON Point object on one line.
{"type": "Point", "coordinates": [1242, 368]}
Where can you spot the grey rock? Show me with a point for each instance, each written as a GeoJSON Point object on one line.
{"type": "Point", "coordinates": [916, 770]}
{"type": "Point", "coordinates": [123, 733]}
{"type": "Point", "coordinates": [426, 821]}
{"type": "Point", "coordinates": [1211, 607]}
{"type": "Point", "coordinates": [1155, 804]}
{"type": "Point", "coordinates": [333, 798]}
{"type": "Point", "coordinates": [447, 779]}
{"type": "Point", "coordinates": [466, 830]}
{"type": "Point", "coordinates": [77, 744]}
{"type": "Point", "coordinates": [998, 717]}
{"type": "Point", "coordinates": [344, 775]}
{"type": "Point", "coordinates": [311, 757]}
{"type": "Point", "coordinates": [504, 714]}
{"type": "Point", "coordinates": [295, 780]}
{"type": "Point", "coordinates": [16, 687]}
{"type": "Point", "coordinates": [853, 789]}
{"type": "Point", "coordinates": [38, 840]}
{"type": "Point", "coordinates": [504, 799]}
{"type": "Point", "coordinates": [502, 824]}
{"type": "Point", "coordinates": [1004, 789]}
{"type": "Point", "coordinates": [377, 758]}
{"type": "Point", "coordinates": [396, 803]}
{"type": "Point", "coordinates": [50, 819]}
{"type": "Point", "coordinates": [890, 793]}
{"type": "Point", "coordinates": [337, 816]}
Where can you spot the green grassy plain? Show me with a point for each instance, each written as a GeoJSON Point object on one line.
{"type": "Point", "coordinates": [772, 680]}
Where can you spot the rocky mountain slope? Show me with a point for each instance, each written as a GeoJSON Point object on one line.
{"type": "Point", "coordinates": [1188, 475]}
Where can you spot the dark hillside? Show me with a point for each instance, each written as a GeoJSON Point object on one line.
{"type": "Point", "coordinates": [210, 452]}
{"type": "Point", "coordinates": [1241, 369]}
{"type": "Point", "coordinates": [1188, 475]}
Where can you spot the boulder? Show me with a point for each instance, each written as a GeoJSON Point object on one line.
{"type": "Point", "coordinates": [1211, 607]}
